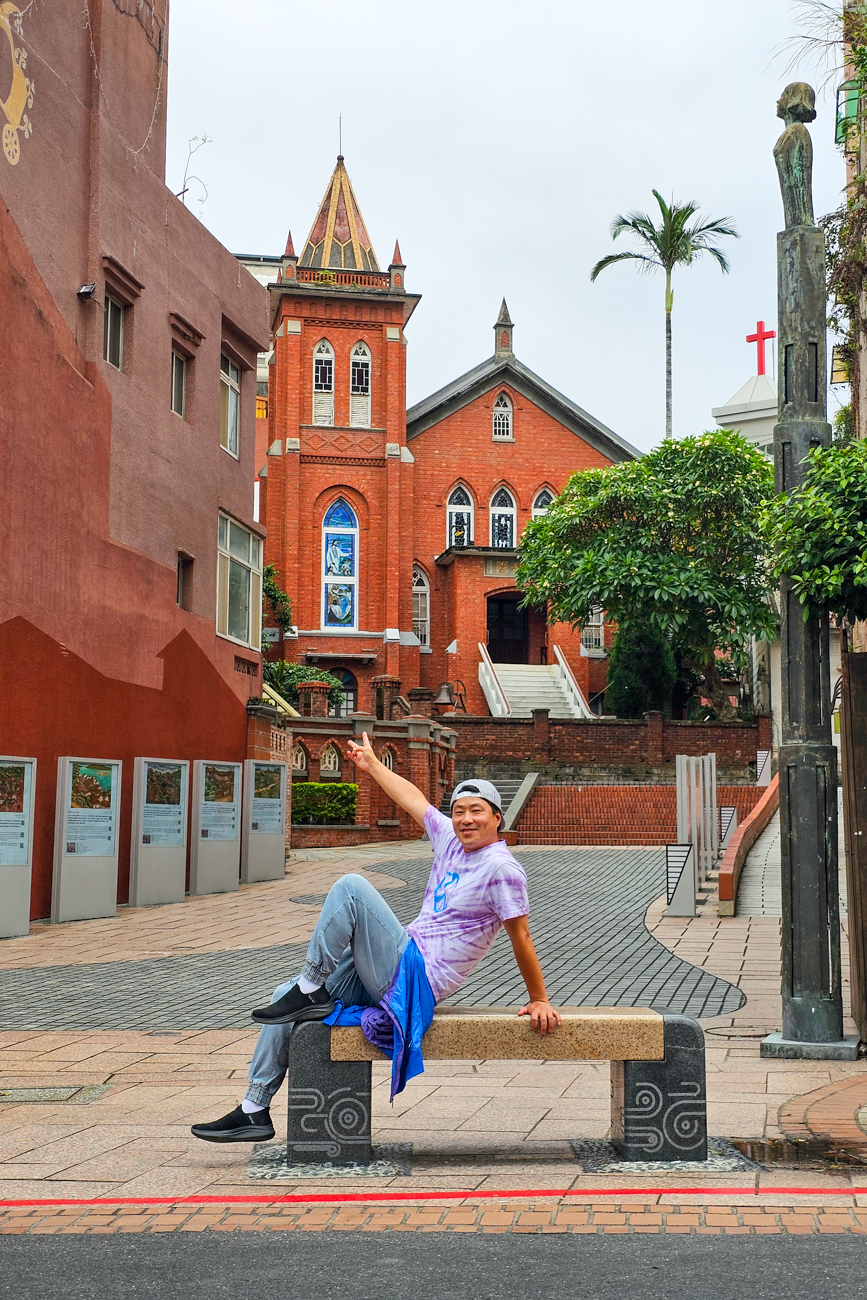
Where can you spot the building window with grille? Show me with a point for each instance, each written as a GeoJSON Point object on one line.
{"type": "Point", "coordinates": [503, 419]}
{"type": "Point", "coordinates": [542, 502]}
{"type": "Point", "coordinates": [239, 583]}
{"type": "Point", "coordinates": [230, 405]}
{"type": "Point", "coordinates": [179, 384]}
{"type": "Point", "coordinates": [323, 383]}
{"type": "Point", "coordinates": [349, 683]}
{"type": "Point", "coordinates": [112, 332]}
{"type": "Point", "coordinates": [359, 387]}
{"type": "Point", "coordinates": [340, 567]}
{"type": "Point", "coordinates": [502, 520]}
{"type": "Point", "coordinates": [460, 518]}
{"type": "Point", "coordinates": [420, 605]}
{"type": "Point", "coordinates": [593, 631]}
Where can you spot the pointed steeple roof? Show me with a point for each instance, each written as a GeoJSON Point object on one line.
{"type": "Point", "coordinates": [338, 237]}
{"type": "Point", "coordinates": [290, 251]}
{"type": "Point", "coordinates": [504, 318]}
{"type": "Point", "coordinates": [396, 259]}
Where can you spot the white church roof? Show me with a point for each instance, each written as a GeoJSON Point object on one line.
{"type": "Point", "coordinates": [757, 398]}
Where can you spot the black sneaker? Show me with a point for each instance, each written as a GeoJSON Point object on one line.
{"type": "Point", "coordinates": [237, 1126]}
{"type": "Point", "coordinates": [295, 1006]}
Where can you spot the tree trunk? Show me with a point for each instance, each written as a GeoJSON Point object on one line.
{"type": "Point", "coordinates": [669, 302]}
{"type": "Point", "coordinates": [713, 689]}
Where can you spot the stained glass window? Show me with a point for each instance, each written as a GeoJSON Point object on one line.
{"type": "Point", "coordinates": [340, 566]}
{"type": "Point", "coordinates": [460, 518]}
{"type": "Point", "coordinates": [502, 520]}
{"type": "Point", "coordinates": [542, 502]}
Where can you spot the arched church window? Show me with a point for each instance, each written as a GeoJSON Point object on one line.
{"type": "Point", "coordinates": [386, 758]}
{"type": "Point", "coordinates": [340, 567]}
{"type": "Point", "coordinates": [330, 760]}
{"type": "Point", "coordinates": [359, 387]}
{"type": "Point", "coordinates": [299, 760]}
{"type": "Point", "coordinates": [542, 502]}
{"type": "Point", "coordinates": [460, 518]}
{"type": "Point", "coordinates": [502, 519]}
{"type": "Point", "coordinates": [349, 683]}
{"type": "Point", "coordinates": [420, 605]}
{"type": "Point", "coordinates": [503, 418]}
{"type": "Point", "coordinates": [323, 383]}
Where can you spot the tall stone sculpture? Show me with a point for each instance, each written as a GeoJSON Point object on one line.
{"type": "Point", "coordinates": [812, 1001]}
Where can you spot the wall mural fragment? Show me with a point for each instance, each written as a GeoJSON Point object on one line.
{"type": "Point", "coordinates": [20, 95]}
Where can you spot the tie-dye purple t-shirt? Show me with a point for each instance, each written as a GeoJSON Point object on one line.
{"type": "Point", "coordinates": [468, 897]}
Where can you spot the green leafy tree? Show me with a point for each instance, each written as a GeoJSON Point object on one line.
{"type": "Point", "coordinates": [674, 242]}
{"type": "Point", "coordinates": [820, 532]}
{"type": "Point", "coordinates": [641, 672]}
{"type": "Point", "coordinates": [285, 678]}
{"type": "Point", "coordinates": [673, 541]}
{"type": "Point", "coordinates": [274, 595]}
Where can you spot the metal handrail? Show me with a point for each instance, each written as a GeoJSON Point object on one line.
{"type": "Point", "coordinates": [490, 684]}
{"type": "Point", "coordinates": [574, 693]}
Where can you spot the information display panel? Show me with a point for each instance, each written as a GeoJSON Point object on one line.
{"type": "Point", "coordinates": [215, 844]}
{"type": "Point", "coordinates": [84, 885]}
{"type": "Point", "coordinates": [158, 857]}
{"type": "Point", "coordinates": [17, 793]}
{"type": "Point", "coordinates": [263, 847]}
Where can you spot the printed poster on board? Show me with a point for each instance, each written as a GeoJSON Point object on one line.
{"type": "Point", "coordinates": [219, 812]}
{"type": "Point", "coordinates": [91, 815]}
{"type": "Point", "coordinates": [268, 812]}
{"type": "Point", "coordinates": [164, 807]}
{"type": "Point", "coordinates": [16, 793]}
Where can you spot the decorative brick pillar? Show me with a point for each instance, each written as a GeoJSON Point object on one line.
{"type": "Point", "coordinates": [419, 757]}
{"type": "Point", "coordinates": [764, 739]}
{"type": "Point", "coordinates": [540, 735]}
{"type": "Point", "coordinates": [364, 804]}
{"type": "Point", "coordinates": [385, 690]}
{"type": "Point", "coordinates": [260, 719]}
{"type": "Point", "coordinates": [313, 699]}
{"type": "Point", "coordinates": [421, 700]}
{"type": "Point", "coordinates": [655, 751]}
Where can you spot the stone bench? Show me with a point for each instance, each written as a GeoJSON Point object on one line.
{"type": "Point", "coordinates": [658, 1103]}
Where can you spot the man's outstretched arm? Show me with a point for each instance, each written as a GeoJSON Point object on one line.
{"type": "Point", "coordinates": [542, 1015]}
{"type": "Point", "coordinates": [406, 795]}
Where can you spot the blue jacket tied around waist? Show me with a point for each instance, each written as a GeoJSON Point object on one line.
{"type": "Point", "coordinates": [401, 1020]}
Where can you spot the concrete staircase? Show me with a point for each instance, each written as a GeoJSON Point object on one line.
{"type": "Point", "coordinates": [508, 788]}
{"type": "Point", "coordinates": [534, 686]}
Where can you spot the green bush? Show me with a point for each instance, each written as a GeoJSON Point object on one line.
{"type": "Point", "coordinates": [641, 672]}
{"type": "Point", "coordinates": [285, 678]}
{"type": "Point", "coordinates": [324, 803]}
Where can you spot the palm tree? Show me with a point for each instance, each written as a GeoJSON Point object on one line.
{"type": "Point", "coordinates": [673, 243]}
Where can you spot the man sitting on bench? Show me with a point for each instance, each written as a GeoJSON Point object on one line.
{"type": "Point", "coordinates": [356, 954]}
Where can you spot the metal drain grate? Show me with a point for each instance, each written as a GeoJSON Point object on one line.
{"type": "Point", "coordinates": [77, 1096]}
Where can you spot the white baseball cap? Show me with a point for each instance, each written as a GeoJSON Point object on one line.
{"type": "Point", "coordinates": [483, 789]}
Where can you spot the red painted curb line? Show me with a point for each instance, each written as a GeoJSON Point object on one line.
{"type": "Point", "coordinates": [588, 1194]}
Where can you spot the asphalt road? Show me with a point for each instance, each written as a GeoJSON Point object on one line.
{"type": "Point", "coordinates": [430, 1266]}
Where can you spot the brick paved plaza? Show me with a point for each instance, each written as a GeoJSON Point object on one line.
{"type": "Point", "coordinates": [143, 1020]}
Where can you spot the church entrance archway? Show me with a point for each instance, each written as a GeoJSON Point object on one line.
{"type": "Point", "coordinates": [507, 630]}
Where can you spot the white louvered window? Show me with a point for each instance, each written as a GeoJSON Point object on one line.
{"type": "Point", "coordinates": [420, 605]}
{"type": "Point", "coordinates": [323, 383]}
{"type": "Point", "coordinates": [359, 387]}
{"type": "Point", "coordinates": [502, 520]}
{"type": "Point", "coordinates": [503, 419]}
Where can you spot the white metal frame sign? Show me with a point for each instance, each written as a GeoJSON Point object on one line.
{"type": "Point", "coordinates": [263, 851]}
{"type": "Point", "coordinates": [17, 797]}
{"type": "Point", "coordinates": [215, 846]}
{"type": "Point", "coordinates": [158, 858]}
{"type": "Point", "coordinates": [86, 838]}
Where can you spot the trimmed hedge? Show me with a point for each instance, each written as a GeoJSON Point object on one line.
{"type": "Point", "coordinates": [324, 803]}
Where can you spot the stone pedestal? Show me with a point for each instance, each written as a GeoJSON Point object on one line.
{"type": "Point", "coordinates": [659, 1108]}
{"type": "Point", "coordinates": [329, 1101]}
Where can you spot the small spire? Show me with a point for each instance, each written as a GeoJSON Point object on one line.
{"type": "Point", "coordinates": [396, 259]}
{"type": "Point", "coordinates": [503, 333]}
{"type": "Point", "coordinates": [290, 250]}
{"type": "Point", "coordinates": [338, 237]}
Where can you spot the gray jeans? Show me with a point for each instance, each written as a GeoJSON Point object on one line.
{"type": "Point", "coordinates": [355, 952]}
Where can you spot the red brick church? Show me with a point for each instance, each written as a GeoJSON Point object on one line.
{"type": "Point", "coordinates": [395, 530]}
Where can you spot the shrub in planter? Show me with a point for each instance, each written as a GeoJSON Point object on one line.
{"type": "Point", "coordinates": [323, 803]}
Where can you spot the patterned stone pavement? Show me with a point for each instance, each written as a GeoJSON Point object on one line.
{"type": "Point", "coordinates": [587, 917]}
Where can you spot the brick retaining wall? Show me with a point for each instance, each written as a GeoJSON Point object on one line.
{"type": "Point", "coordinates": [615, 815]}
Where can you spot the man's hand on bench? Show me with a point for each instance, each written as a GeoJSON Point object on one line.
{"type": "Point", "coordinates": [543, 1017]}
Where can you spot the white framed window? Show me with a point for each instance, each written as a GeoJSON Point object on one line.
{"type": "Point", "coordinates": [112, 332]}
{"type": "Point", "coordinates": [593, 631]}
{"type": "Point", "coordinates": [340, 567]}
{"type": "Point", "coordinates": [459, 525]}
{"type": "Point", "coordinates": [239, 583]}
{"type": "Point", "coordinates": [323, 383]}
{"type": "Point", "coordinates": [230, 405]}
{"type": "Point", "coordinates": [386, 758]}
{"type": "Point", "coordinates": [179, 384]}
{"type": "Point", "coordinates": [420, 605]}
{"type": "Point", "coordinates": [330, 761]}
{"type": "Point", "coordinates": [359, 386]}
{"type": "Point", "coordinates": [542, 502]}
{"type": "Point", "coordinates": [349, 682]}
{"type": "Point", "coordinates": [299, 759]}
{"type": "Point", "coordinates": [503, 519]}
{"type": "Point", "coordinates": [503, 419]}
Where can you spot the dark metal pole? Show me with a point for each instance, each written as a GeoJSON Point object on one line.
{"type": "Point", "coordinates": [811, 990]}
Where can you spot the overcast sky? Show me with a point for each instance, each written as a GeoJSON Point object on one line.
{"type": "Point", "coordinates": [497, 139]}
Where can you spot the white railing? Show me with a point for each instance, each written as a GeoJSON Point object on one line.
{"type": "Point", "coordinates": [573, 692]}
{"type": "Point", "coordinates": [490, 684]}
